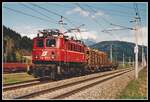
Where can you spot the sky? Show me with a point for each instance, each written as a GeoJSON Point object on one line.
{"type": "Point", "coordinates": [27, 18]}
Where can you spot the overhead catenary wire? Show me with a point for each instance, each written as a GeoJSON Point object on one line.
{"type": "Point", "coordinates": [96, 12]}
{"type": "Point", "coordinates": [38, 12]}
{"type": "Point", "coordinates": [43, 19]}
{"type": "Point", "coordinates": [121, 14]}
{"type": "Point", "coordinates": [14, 10]}
{"type": "Point", "coordinates": [97, 22]}
{"type": "Point", "coordinates": [126, 7]}
{"type": "Point", "coordinates": [43, 8]}
{"type": "Point", "coordinates": [54, 14]}
{"type": "Point", "coordinates": [124, 27]}
{"type": "Point", "coordinates": [106, 22]}
{"type": "Point", "coordinates": [90, 17]}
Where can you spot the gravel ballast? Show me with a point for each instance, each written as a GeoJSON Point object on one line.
{"type": "Point", "coordinates": [104, 90]}
{"type": "Point", "coordinates": [107, 90]}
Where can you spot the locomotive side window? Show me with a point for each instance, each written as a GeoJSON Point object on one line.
{"type": "Point", "coordinates": [87, 52]}
{"type": "Point", "coordinates": [50, 42]}
{"type": "Point", "coordinates": [76, 47]}
{"type": "Point", "coordinates": [71, 46]}
{"type": "Point", "coordinates": [39, 43]}
{"type": "Point", "coordinates": [79, 48]}
{"type": "Point", "coordinates": [82, 49]}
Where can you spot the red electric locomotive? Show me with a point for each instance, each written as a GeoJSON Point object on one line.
{"type": "Point", "coordinates": [56, 55]}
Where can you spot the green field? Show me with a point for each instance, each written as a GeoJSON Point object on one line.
{"type": "Point", "coordinates": [136, 89]}
{"type": "Point", "coordinates": [16, 77]}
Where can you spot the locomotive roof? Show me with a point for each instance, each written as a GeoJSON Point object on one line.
{"type": "Point", "coordinates": [79, 42]}
{"type": "Point", "coordinates": [55, 33]}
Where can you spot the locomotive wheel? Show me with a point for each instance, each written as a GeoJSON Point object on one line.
{"type": "Point", "coordinates": [41, 73]}
{"type": "Point", "coordinates": [53, 74]}
{"type": "Point", "coordinates": [35, 73]}
{"type": "Point", "coordinates": [29, 72]}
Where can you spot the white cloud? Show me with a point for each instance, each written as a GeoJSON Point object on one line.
{"type": "Point", "coordinates": [84, 35]}
{"type": "Point", "coordinates": [84, 13]}
{"type": "Point", "coordinates": [78, 10]}
{"type": "Point", "coordinates": [98, 13]}
{"type": "Point", "coordinates": [29, 31]}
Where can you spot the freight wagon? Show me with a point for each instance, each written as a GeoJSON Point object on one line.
{"type": "Point", "coordinates": [14, 67]}
{"type": "Point", "coordinates": [98, 60]}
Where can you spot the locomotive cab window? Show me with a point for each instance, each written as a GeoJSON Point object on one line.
{"type": "Point", "coordinates": [39, 43]}
{"type": "Point", "coordinates": [50, 42]}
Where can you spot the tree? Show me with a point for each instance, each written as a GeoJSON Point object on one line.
{"type": "Point", "coordinates": [18, 56]}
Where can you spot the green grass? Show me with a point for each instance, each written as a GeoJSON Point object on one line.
{"type": "Point", "coordinates": [136, 89]}
{"type": "Point", "coordinates": [126, 65]}
{"type": "Point", "coordinates": [16, 77]}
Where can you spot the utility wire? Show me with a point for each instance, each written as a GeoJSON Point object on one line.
{"type": "Point", "coordinates": [97, 21]}
{"type": "Point", "coordinates": [46, 9]}
{"type": "Point", "coordinates": [127, 7]}
{"type": "Point", "coordinates": [89, 17]}
{"type": "Point", "coordinates": [111, 11]}
{"type": "Point", "coordinates": [52, 12]}
{"type": "Point", "coordinates": [27, 14]}
{"type": "Point", "coordinates": [17, 11]}
{"type": "Point", "coordinates": [96, 12]}
{"type": "Point", "coordinates": [38, 12]}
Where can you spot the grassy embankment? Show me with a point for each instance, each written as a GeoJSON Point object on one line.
{"type": "Point", "coordinates": [136, 89]}
{"type": "Point", "coordinates": [126, 65]}
{"type": "Point", "coordinates": [16, 77]}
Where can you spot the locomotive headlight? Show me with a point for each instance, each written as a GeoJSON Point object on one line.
{"type": "Point", "coordinates": [53, 55]}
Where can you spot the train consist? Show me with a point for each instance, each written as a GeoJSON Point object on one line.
{"type": "Point", "coordinates": [56, 55]}
{"type": "Point", "coordinates": [14, 67]}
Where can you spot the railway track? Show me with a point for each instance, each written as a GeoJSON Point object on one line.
{"type": "Point", "coordinates": [68, 89]}
{"type": "Point", "coordinates": [13, 86]}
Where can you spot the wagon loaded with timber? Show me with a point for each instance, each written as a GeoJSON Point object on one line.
{"type": "Point", "coordinates": [98, 61]}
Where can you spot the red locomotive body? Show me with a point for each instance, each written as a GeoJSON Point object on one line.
{"type": "Point", "coordinates": [56, 55]}
{"type": "Point", "coordinates": [57, 49]}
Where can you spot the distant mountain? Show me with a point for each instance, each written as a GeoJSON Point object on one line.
{"type": "Point", "coordinates": [118, 48]}
{"type": "Point", "coordinates": [89, 42]}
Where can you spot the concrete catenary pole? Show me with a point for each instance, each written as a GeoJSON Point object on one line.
{"type": "Point", "coordinates": [123, 60]}
{"type": "Point", "coordinates": [111, 52]}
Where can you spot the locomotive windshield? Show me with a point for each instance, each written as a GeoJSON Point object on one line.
{"type": "Point", "coordinates": [39, 43]}
{"type": "Point", "coordinates": [50, 42]}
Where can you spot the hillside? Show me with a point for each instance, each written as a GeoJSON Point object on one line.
{"type": "Point", "coordinates": [118, 48]}
{"type": "Point", "coordinates": [15, 46]}
{"type": "Point", "coordinates": [89, 42]}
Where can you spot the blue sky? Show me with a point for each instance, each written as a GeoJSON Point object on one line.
{"type": "Point", "coordinates": [96, 17]}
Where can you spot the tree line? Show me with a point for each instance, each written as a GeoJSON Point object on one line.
{"type": "Point", "coordinates": [15, 46]}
